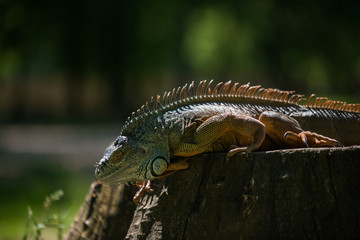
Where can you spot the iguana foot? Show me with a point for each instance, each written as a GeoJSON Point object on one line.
{"type": "Point", "coordinates": [236, 149]}
{"type": "Point", "coordinates": [286, 132]}
{"type": "Point", "coordinates": [144, 186]}
{"type": "Point", "coordinates": [311, 139]}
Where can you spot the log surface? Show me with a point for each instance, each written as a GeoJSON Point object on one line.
{"type": "Point", "coordinates": [283, 194]}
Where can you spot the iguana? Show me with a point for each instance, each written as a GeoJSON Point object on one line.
{"type": "Point", "coordinates": [228, 118]}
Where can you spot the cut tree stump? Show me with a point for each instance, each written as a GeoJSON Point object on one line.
{"type": "Point", "coordinates": [284, 194]}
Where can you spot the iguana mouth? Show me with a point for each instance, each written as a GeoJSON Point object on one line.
{"type": "Point", "coordinates": [104, 170]}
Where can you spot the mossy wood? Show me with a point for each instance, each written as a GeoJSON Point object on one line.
{"type": "Point", "coordinates": [283, 194]}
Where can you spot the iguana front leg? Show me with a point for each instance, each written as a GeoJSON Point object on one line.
{"type": "Point", "coordinates": [286, 132]}
{"type": "Point", "coordinates": [216, 126]}
{"type": "Point", "coordinates": [145, 186]}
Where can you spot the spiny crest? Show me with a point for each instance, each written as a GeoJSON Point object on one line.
{"type": "Point", "coordinates": [323, 102]}
{"type": "Point", "coordinates": [190, 93]}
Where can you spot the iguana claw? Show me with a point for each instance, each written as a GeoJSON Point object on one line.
{"type": "Point", "coordinates": [144, 186]}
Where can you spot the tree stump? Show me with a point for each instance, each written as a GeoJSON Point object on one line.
{"type": "Point", "coordinates": [283, 194]}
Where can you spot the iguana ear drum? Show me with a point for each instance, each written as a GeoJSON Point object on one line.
{"type": "Point", "coordinates": [158, 166]}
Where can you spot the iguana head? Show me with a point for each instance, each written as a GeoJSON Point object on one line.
{"type": "Point", "coordinates": [127, 160]}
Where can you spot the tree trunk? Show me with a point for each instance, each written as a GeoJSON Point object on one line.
{"type": "Point", "coordinates": [284, 194]}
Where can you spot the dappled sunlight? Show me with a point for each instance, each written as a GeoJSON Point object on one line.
{"type": "Point", "coordinates": [215, 42]}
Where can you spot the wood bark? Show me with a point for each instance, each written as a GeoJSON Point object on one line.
{"type": "Point", "coordinates": [284, 194]}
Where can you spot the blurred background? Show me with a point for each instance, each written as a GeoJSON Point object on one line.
{"type": "Point", "coordinates": [71, 72]}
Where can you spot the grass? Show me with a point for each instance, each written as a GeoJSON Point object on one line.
{"type": "Point", "coordinates": [25, 184]}
{"type": "Point", "coordinates": [36, 226]}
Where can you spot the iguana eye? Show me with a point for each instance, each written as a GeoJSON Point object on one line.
{"type": "Point", "coordinates": [116, 157]}
{"type": "Point", "coordinates": [158, 166]}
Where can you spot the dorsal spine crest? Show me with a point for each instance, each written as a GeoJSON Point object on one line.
{"type": "Point", "coordinates": [225, 91]}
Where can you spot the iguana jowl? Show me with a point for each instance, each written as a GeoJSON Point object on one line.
{"type": "Point", "coordinates": [231, 118]}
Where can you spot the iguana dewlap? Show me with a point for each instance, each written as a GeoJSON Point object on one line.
{"type": "Point", "coordinates": [227, 118]}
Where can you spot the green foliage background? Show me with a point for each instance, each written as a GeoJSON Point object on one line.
{"type": "Point", "coordinates": [97, 61]}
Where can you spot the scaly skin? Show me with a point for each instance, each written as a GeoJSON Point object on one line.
{"type": "Point", "coordinates": [226, 118]}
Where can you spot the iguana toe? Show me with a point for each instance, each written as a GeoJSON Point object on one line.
{"type": "Point", "coordinates": [310, 139]}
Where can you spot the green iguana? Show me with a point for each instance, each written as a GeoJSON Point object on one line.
{"type": "Point", "coordinates": [227, 118]}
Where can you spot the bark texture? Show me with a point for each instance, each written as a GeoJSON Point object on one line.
{"type": "Point", "coordinates": [285, 194]}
